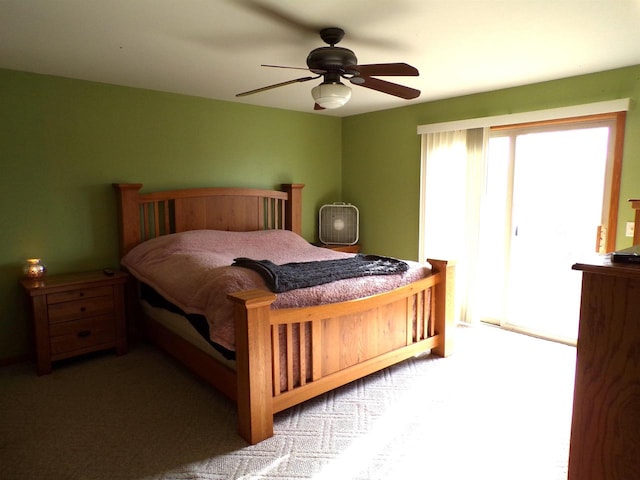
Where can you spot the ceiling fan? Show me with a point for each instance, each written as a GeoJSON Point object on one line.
{"type": "Point", "coordinates": [333, 63]}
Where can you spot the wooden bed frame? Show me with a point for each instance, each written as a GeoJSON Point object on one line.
{"type": "Point", "coordinates": [348, 340]}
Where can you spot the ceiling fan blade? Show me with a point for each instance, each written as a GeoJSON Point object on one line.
{"type": "Point", "coordinates": [296, 68]}
{"type": "Point", "coordinates": [387, 69]}
{"type": "Point", "coordinates": [282, 66]}
{"type": "Point", "coordinates": [387, 87]}
{"type": "Point", "coordinates": [276, 85]}
{"type": "Point", "coordinates": [280, 16]}
{"type": "Point", "coordinates": [317, 107]}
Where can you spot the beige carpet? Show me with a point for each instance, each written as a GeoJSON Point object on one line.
{"type": "Point", "coordinates": [499, 408]}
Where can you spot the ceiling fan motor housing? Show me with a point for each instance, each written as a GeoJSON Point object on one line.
{"type": "Point", "coordinates": [330, 59]}
{"type": "Point", "coordinates": [339, 224]}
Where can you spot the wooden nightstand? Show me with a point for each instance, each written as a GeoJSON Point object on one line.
{"type": "Point", "coordinates": [342, 248]}
{"type": "Point", "coordinates": [76, 313]}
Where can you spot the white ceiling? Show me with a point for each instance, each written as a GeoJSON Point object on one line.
{"type": "Point", "coordinates": [214, 48]}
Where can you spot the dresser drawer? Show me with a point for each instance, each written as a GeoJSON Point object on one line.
{"type": "Point", "coordinates": [86, 307]}
{"type": "Point", "coordinates": [78, 294]}
{"type": "Point", "coordinates": [82, 334]}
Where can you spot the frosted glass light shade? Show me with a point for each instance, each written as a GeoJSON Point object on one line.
{"type": "Point", "coordinates": [331, 95]}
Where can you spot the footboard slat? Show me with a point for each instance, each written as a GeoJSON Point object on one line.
{"type": "Point", "coordinates": [432, 313]}
{"type": "Point", "coordinates": [275, 359]}
{"type": "Point", "coordinates": [289, 330]}
{"type": "Point", "coordinates": [410, 322]}
{"type": "Point", "coordinates": [316, 351]}
{"type": "Point", "coordinates": [302, 352]}
{"type": "Point", "coordinates": [421, 331]}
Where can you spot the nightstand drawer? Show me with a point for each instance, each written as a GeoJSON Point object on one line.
{"type": "Point", "coordinates": [60, 312]}
{"type": "Point", "coordinates": [78, 294]}
{"type": "Point", "coordinates": [80, 334]}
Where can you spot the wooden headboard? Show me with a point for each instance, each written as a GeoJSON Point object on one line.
{"type": "Point", "coordinates": [142, 216]}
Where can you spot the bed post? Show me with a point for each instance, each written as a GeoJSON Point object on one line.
{"type": "Point", "coordinates": [253, 364]}
{"type": "Point", "coordinates": [128, 215]}
{"type": "Point", "coordinates": [445, 306]}
{"type": "Point", "coordinates": [129, 236]}
{"type": "Point", "coordinates": [293, 209]}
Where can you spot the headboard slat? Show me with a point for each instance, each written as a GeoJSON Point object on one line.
{"type": "Point", "coordinates": [156, 219]}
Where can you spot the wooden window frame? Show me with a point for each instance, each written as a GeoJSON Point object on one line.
{"type": "Point", "coordinates": [605, 242]}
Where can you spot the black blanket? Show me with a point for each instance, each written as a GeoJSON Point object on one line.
{"type": "Point", "coordinates": [289, 276]}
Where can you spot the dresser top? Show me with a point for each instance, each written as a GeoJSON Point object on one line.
{"type": "Point", "coordinates": [603, 265]}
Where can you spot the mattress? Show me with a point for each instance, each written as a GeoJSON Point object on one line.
{"type": "Point", "coordinates": [179, 325]}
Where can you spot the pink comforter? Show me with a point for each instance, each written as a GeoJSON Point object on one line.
{"type": "Point", "coordinates": [193, 270]}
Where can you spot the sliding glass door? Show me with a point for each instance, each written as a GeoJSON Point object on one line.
{"type": "Point", "coordinates": [516, 205]}
{"type": "Point", "coordinates": [544, 203]}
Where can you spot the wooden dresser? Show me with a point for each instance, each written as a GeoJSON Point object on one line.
{"type": "Point", "coordinates": [76, 313]}
{"type": "Point", "coordinates": [635, 204]}
{"type": "Point", "coordinates": [605, 430]}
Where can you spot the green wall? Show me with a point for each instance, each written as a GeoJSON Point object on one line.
{"type": "Point", "coordinates": [381, 151]}
{"type": "Point", "coordinates": [64, 142]}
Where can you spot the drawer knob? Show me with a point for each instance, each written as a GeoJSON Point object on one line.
{"type": "Point", "coordinates": [84, 333]}
{"type": "Point", "coordinates": [82, 309]}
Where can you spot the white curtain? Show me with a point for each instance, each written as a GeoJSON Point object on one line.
{"type": "Point", "coordinates": [452, 185]}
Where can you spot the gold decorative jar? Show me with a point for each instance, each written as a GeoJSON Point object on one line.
{"type": "Point", "coordinates": [34, 268]}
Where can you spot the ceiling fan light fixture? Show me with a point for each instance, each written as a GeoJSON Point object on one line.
{"type": "Point", "coordinates": [331, 95]}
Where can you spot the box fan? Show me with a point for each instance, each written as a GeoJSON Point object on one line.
{"type": "Point", "coordinates": [338, 224]}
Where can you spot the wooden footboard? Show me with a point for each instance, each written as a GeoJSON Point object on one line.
{"type": "Point", "coordinates": [347, 341]}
